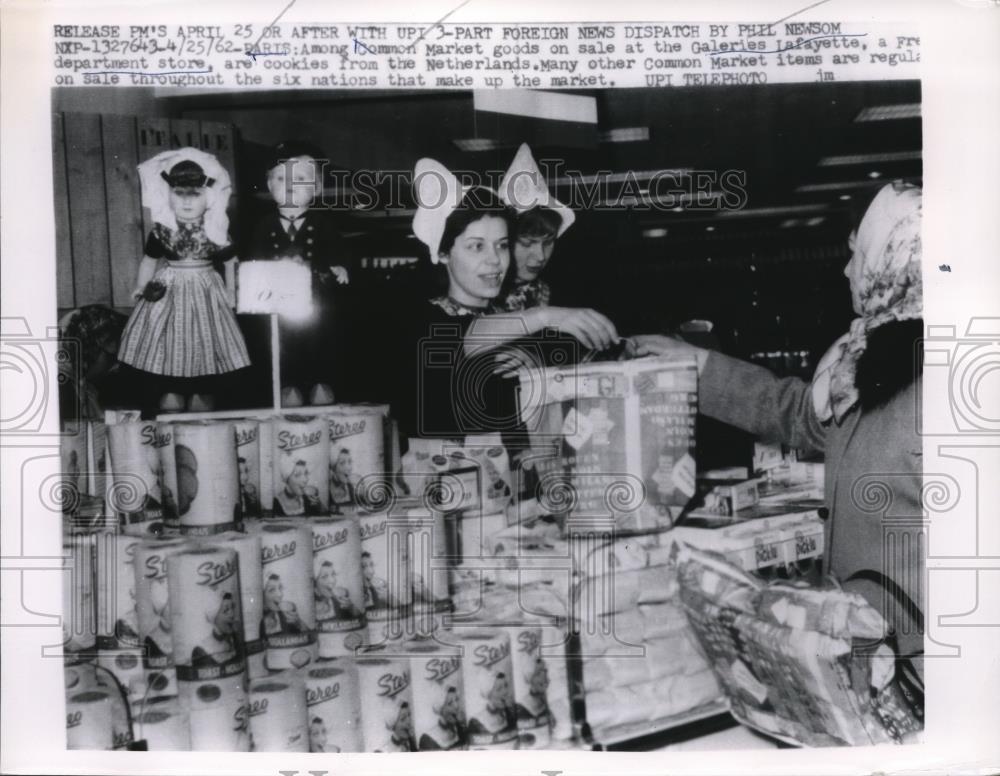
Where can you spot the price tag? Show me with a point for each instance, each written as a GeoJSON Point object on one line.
{"type": "Point", "coordinates": [282, 287]}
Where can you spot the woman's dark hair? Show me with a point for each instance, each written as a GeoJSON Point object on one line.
{"type": "Point", "coordinates": [478, 202]}
{"type": "Point", "coordinates": [893, 359]}
{"type": "Point", "coordinates": [539, 223]}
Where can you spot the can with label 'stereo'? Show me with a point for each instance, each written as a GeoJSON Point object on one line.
{"type": "Point", "coordinates": [207, 619]}
{"type": "Point", "coordinates": [288, 625]}
{"type": "Point", "coordinates": [387, 701]}
{"type": "Point", "coordinates": [116, 617]}
{"type": "Point", "coordinates": [278, 714]}
{"type": "Point", "coordinates": [219, 713]}
{"type": "Point", "coordinates": [337, 586]}
{"type": "Point", "coordinates": [333, 707]}
{"type": "Point", "coordinates": [163, 725]}
{"type": "Point", "coordinates": [247, 547]}
{"type": "Point", "coordinates": [152, 610]}
{"type": "Point", "coordinates": [248, 465]}
{"type": "Point", "coordinates": [208, 488]}
{"type": "Point", "coordinates": [489, 689]}
{"type": "Point", "coordinates": [137, 475]}
{"type": "Point", "coordinates": [531, 684]}
{"type": "Point", "coordinates": [438, 696]}
{"type": "Point", "coordinates": [164, 444]}
{"type": "Point", "coordinates": [88, 721]}
{"type": "Point", "coordinates": [301, 466]}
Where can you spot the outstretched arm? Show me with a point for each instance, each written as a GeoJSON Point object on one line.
{"type": "Point", "coordinates": [747, 396]}
{"type": "Point", "coordinates": [590, 327]}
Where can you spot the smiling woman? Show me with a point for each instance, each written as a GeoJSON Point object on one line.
{"type": "Point", "coordinates": [466, 232]}
{"type": "Point", "coordinates": [459, 360]}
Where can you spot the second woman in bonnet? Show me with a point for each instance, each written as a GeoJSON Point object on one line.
{"type": "Point", "coordinates": [541, 220]}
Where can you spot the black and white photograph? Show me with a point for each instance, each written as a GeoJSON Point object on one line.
{"type": "Point", "coordinates": [578, 417]}
{"type": "Point", "coordinates": [754, 251]}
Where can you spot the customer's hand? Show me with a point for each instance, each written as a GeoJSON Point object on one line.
{"type": "Point", "coordinates": [591, 328]}
{"type": "Point", "coordinates": [669, 347]}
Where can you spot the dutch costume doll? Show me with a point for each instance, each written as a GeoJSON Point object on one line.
{"type": "Point", "coordinates": [298, 227]}
{"type": "Point", "coordinates": [182, 334]}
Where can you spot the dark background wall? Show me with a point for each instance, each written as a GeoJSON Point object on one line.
{"type": "Point", "coordinates": [768, 275]}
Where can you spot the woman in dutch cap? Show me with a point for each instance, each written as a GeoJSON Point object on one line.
{"type": "Point", "coordinates": [860, 410]}
{"type": "Point", "coordinates": [452, 383]}
{"type": "Point", "coordinates": [541, 220]}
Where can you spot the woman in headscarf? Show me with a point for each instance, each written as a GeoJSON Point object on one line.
{"type": "Point", "coordinates": [860, 410]}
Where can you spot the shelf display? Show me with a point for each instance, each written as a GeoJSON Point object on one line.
{"type": "Point", "coordinates": [339, 628]}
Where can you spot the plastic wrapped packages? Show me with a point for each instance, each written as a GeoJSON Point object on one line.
{"type": "Point", "coordinates": [617, 706]}
{"type": "Point", "coordinates": [675, 694]}
{"type": "Point", "coordinates": [660, 620]}
{"type": "Point", "coordinates": [609, 671]}
{"type": "Point", "coordinates": [800, 663]}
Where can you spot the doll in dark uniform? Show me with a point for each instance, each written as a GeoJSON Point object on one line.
{"type": "Point", "coordinates": [299, 228]}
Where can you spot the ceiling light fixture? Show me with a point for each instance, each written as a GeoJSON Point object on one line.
{"type": "Point", "coordinates": [772, 211]}
{"type": "Point", "coordinates": [625, 135]}
{"type": "Point", "coordinates": [891, 156]}
{"type": "Point", "coordinates": [477, 144]}
{"type": "Point", "coordinates": [622, 177]}
{"type": "Point", "coordinates": [908, 110]}
{"type": "Point", "coordinates": [812, 188]}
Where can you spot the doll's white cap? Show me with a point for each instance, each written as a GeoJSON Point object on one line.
{"type": "Point", "coordinates": [155, 190]}
{"type": "Point", "coordinates": [438, 192]}
{"type": "Point", "coordinates": [523, 188]}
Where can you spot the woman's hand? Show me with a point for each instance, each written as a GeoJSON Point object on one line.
{"type": "Point", "coordinates": [670, 347]}
{"type": "Point", "coordinates": [510, 361]}
{"type": "Point", "coordinates": [590, 327]}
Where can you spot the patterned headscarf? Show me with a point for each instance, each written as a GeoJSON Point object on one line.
{"type": "Point", "coordinates": [155, 191]}
{"type": "Point", "coordinates": [886, 286]}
